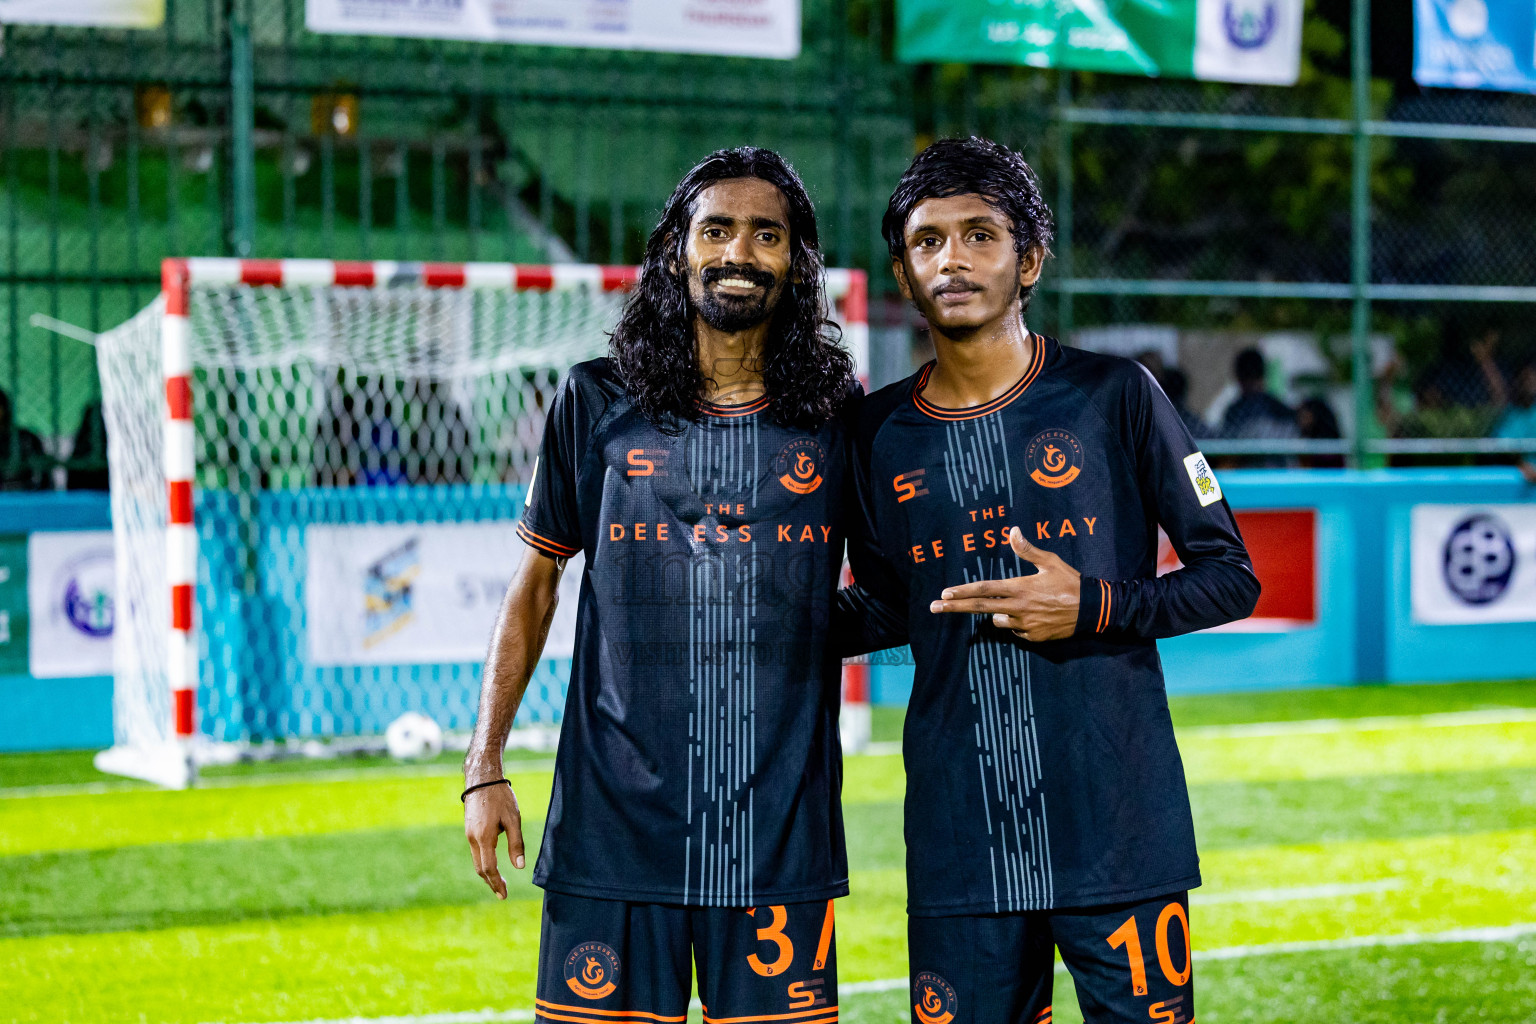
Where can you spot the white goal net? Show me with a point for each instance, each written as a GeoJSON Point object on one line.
{"type": "Point", "coordinates": [315, 470]}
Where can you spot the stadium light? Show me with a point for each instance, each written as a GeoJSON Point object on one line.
{"type": "Point", "coordinates": [152, 107]}
{"type": "Point", "coordinates": [333, 114]}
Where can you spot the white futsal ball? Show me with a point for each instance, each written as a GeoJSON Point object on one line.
{"type": "Point", "coordinates": [413, 737]}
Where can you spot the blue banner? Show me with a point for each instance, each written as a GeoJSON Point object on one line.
{"type": "Point", "coordinates": [1475, 44]}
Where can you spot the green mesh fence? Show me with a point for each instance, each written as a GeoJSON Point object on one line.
{"type": "Point", "coordinates": [1365, 234]}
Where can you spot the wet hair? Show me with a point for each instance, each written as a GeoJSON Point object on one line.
{"type": "Point", "coordinates": [807, 373]}
{"type": "Point", "coordinates": [980, 167]}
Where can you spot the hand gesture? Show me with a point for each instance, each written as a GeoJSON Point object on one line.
{"type": "Point", "coordinates": [1039, 607]}
{"type": "Point", "coordinates": [489, 812]}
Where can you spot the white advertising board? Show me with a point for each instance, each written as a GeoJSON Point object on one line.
{"type": "Point", "coordinates": [742, 28]}
{"type": "Point", "coordinates": [71, 588]}
{"type": "Point", "coordinates": [420, 593]}
{"type": "Point", "coordinates": [1474, 563]}
{"type": "Point", "coordinates": [100, 13]}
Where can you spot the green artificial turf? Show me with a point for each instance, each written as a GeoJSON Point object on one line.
{"type": "Point", "coordinates": [301, 891]}
{"type": "Point", "coordinates": [1449, 983]}
{"type": "Point", "coordinates": [1350, 702]}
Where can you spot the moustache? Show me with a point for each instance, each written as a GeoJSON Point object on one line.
{"type": "Point", "coordinates": [957, 284]}
{"type": "Point", "coordinates": [761, 278]}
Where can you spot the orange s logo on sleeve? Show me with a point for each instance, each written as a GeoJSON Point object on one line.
{"type": "Point", "coordinates": [642, 465]}
{"type": "Point", "coordinates": [909, 485]}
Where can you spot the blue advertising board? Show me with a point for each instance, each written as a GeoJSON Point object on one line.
{"type": "Point", "coordinates": [1475, 44]}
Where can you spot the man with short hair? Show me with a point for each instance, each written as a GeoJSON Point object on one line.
{"type": "Point", "coordinates": [1255, 414]}
{"type": "Point", "coordinates": [1046, 802]}
{"type": "Point", "coordinates": [694, 821]}
{"type": "Point", "coordinates": [1514, 408]}
{"type": "Point", "coordinates": [1518, 421]}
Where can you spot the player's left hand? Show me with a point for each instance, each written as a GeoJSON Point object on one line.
{"type": "Point", "coordinates": [1039, 607]}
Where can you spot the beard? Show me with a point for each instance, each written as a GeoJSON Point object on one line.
{"type": "Point", "coordinates": [732, 313]}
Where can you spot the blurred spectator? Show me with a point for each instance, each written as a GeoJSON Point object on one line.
{"type": "Point", "coordinates": [1452, 397]}
{"type": "Point", "coordinates": [358, 440]}
{"type": "Point", "coordinates": [1256, 415]}
{"type": "Point", "coordinates": [1152, 359]}
{"type": "Point", "coordinates": [1515, 407]}
{"type": "Point", "coordinates": [90, 447]}
{"type": "Point", "coordinates": [1427, 410]}
{"type": "Point", "coordinates": [23, 461]}
{"type": "Point", "coordinates": [440, 444]}
{"type": "Point", "coordinates": [1316, 421]}
{"type": "Point", "coordinates": [1176, 386]}
{"type": "Point", "coordinates": [392, 434]}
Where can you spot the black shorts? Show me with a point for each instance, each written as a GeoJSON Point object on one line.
{"type": "Point", "coordinates": [611, 962]}
{"type": "Point", "coordinates": [1131, 963]}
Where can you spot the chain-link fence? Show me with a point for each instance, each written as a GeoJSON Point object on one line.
{"type": "Point", "coordinates": [1361, 235]}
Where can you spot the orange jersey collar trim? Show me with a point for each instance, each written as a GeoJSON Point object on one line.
{"type": "Point", "coordinates": [1036, 363]}
{"type": "Point", "coordinates": [731, 411]}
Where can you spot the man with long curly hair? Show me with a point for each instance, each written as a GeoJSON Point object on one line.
{"type": "Point", "coordinates": [695, 817]}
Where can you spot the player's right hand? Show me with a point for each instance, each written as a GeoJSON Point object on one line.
{"type": "Point", "coordinates": [488, 813]}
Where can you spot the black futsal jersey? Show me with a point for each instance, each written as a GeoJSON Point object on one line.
{"type": "Point", "coordinates": [698, 761]}
{"type": "Point", "coordinates": [1042, 775]}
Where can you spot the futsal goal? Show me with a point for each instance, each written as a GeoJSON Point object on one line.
{"type": "Point", "coordinates": [316, 468]}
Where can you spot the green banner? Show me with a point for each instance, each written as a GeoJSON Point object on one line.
{"type": "Point", "coordinates": [1133, 37]}
{"type": "Point", "coordinates": [13, 604]}
{"type": "Point", "coordinates": [1223, 40]}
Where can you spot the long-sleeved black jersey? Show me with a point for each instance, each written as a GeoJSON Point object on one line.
{"type": "Point", "coordinates": [698, 760]}
{"type": "Point", "coordinates": [1041, 775]}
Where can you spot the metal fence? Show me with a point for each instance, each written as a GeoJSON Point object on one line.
{"type": "Point", "coordinates": [1367, 236]}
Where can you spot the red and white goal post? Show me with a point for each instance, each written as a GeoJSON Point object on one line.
{"type": "Point", "coordinates": [269, 420]}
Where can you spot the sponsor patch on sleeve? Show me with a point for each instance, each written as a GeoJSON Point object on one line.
{"type": "Point", "coordinates": [1203, 478]}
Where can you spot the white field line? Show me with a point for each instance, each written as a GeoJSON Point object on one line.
{"type": "Point", "coordinates": [470, 1017]}
{"type": "Point", "coordinates": [1297, 892]}
{"type": "Point", "coordinates": [1314, 726]}
{"type": "Point", "coordinates": [1311, 726]}
{"type": "Point", "coordinates": [1507, 933]}
{"type": "Point", "coordinates": [1323, 726]}
{"type": "Point", "coordinates": [297, 778]}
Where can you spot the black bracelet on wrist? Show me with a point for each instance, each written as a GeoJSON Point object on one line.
{"type": "Point", "coordinates": [481, 785]}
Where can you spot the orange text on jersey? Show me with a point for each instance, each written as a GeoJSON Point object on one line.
{"type": "Point", "coordinates": [789, 533]}
{"type": "Point", "coordinates": [997, 537]}
{"type": "Point", "coordinates": [702, 532]}
{"type": "Point", "coordinates": [718, 533]}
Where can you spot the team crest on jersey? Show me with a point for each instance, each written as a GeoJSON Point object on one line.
{"type": "Point", "coordinates": [933, 999]}
{"type": "Point", "coordinates": [799, 465]}
{"type": "Point", "coordinates": [1055, 458]}
{"type": "Point", "coordinates": [592, 970]}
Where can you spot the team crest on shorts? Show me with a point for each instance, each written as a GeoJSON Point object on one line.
{"type": "Point", "coordinates": [933, 999]}
{"type": "Point", "coordinates": [799, 465]}
{"type": "Point", "coordinates": [592, 970]}
{"type": "Point", "coordinates": [1055, 458]}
